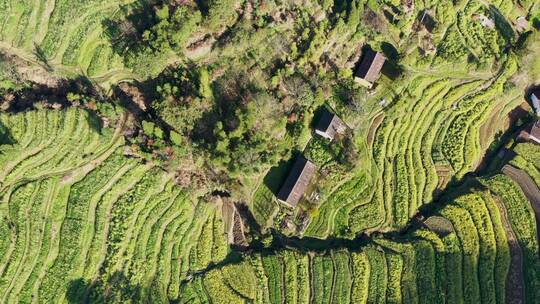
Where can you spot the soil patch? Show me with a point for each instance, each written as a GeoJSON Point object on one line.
{"type": "Point", "coordinates": [374, 126]}
{"type": "Point", "coordinates": [515, 293]}
{"type": "Point", "coordinates": [509, 128]}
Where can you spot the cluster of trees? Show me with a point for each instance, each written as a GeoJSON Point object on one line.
{"type": "Point", "coordinates": [149, 38]}
{"type": "Point", "coordinates": [153, 143]}
{"type": "Point", "coordinates": [171, 28]}
{"type": "Point", "coordinates": [243, 131]}
{"type": "Point", "coordinates": [182, 95]}
{"type": "Point", "coordinates": [244, 106]}
{"type": "Point", "coordinates": [245, 141]}
{"type": "Point", "coordinates": [234, 124]}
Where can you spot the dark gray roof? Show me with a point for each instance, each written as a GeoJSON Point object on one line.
{"type": "Point", "coordinates": [297, 181]}
{"type": "Point", "coordinates": [536, 92]}
{"type": "Point", "coordinates": [427, 20]}
{"type": "Point", "coordinates": [535, 129]}
{"type": "Point", "coordinates": [329, 124]}
{"type": "Point", "coordinates": [371, 65]}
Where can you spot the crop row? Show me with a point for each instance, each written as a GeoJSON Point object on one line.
{"type": "Point", "coordinates": [286, 276]}
{"type": "Point", "coordinates": [430, 131]}
{"type": "Point", "coordinates": [54, 142]}
{"type": "Point", "coordinates": [60, 32]}
{"type": "Point", "coordinates": [408, 150]}
{"type": "Point", "coordinates": [410, 178]}
{"type": "Point", "coordinates": [468, 265]}
{"type": "Point", "coordinates": [523, 223]}
{"type": "Point", "coordinates": [80, 221]}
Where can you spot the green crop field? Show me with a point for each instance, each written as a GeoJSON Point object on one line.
{"type": "Point", "coordinates": [469, 265]}
{"type": "Point", "coordinates": [144, 145]}
{"type": "Point", "coordinates": [78, 215]}
{"type": "Point", "coordinates": [408, 160]}
{"type": "Point", "coordinates": [69, 36]}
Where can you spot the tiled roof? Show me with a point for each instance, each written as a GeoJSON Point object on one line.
{"type": "Point", "coordinates": [329, 124]}
{"type": "Point", "coordinates": [370, 67]}
{"type": "Point", "coordinates": [297, 182]}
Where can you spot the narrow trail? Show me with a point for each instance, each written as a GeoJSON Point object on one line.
{"type": "Point", "coordinates": [515, 292]}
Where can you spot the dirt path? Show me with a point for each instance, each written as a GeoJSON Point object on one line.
{"type": "Point", "coordinates": [334, 277]}
{"type": "Point", "coordinates": [530, 189]}
{"type": "Point", "coordinates": [376, 122]}
{"type": "Point", "coordinates": [515, 293]}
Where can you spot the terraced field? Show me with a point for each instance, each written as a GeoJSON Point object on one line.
{"type": "Point", "coordinates": [55, 31]}
{"type": "Point", "coordinates": [84, 219]}
{"type": "Point", "coordinates": [414, 160]}
{"type": "Point", "coordinates": [423, 130]}
{"type": "Point", "coordinates": [468, 264]}
{"type": "Point", "coordinates": [79, 217]}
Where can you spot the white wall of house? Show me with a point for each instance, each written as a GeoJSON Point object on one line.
{"type": "Point", "coordinates": [363, 82]}
{"type": "Point", "coordinates": [536, 139]}
{"type": "Point", "coordinates": [536, 103]}
{"type": "Point", "coordinates": [323, 134]}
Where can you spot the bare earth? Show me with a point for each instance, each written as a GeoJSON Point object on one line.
{"type": "Point", "coordinates": [515, 293]}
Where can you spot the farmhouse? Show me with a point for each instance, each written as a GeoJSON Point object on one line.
{"type": "Point", "coordinates": [296, 183]}
{"type": "Point", "coordinates": [329, 125]}
{"type": "Point", "coordinates": [370, 68]}
{"type": "Point", "coordinates": [426, 21]}
{"type": "Point", "coordinates": [535, 99]}
{"type": "Point", "coordinates": [533, 134]}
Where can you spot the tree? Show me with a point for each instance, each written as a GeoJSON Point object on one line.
{"type": "Point", "coordinates": [182, 96]}
{"type": "Point", "coordinates": [204, 83]}
{"type": "Point", "coordinates": [173, 28]}
{"type": "Point", "coordinates": [168, 35]}
{"type": "Point", "coordinates": [354, 16]}
{"type": "Point", "coordinates": [220, 13]}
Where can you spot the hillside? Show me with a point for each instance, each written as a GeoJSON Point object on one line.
{"type": "Point", "coordinates": [149, 149]}
{"type": "Point", "coordinates": [77, 214]}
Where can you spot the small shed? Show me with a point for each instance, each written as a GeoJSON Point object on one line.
{"type": "Point", "coordinates": [535, 99]}
{"type": "Point", "coordinates": [297, 182]}
{"type": "Point", "coordinates": [369, 69]}
{"type": "Point", "coordinates": [426, 21]}
{"type": "Point", "coordinates": [534, 133]}
{"type": "Point", "coordinates": [329, 125]}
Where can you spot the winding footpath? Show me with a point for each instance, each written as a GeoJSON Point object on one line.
{"type": "Point", "coordinates": [515, 291]}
